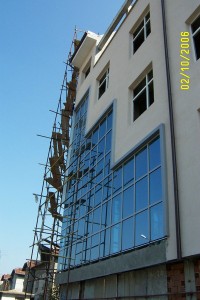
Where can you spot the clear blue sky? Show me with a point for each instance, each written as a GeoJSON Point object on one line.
{"type": "Point", "coordinates": [35, 38]}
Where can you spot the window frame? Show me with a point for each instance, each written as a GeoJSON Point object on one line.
{"type": "Point", "coordinates": [144, 23]}
{"type": "Point", "coordinates": [103, 79]}
{"type": "Point", "coordinates": [146, 88]}
{"type": "Point", "coordinates": [193, 34]}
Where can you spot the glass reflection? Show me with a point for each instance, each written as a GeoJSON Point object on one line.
{"type": "Point", "coordinates": [141, 163]}
{"type": "Point", "coordinates": [141, 228]}
{"type": "Point", "coordinates": [141, 194]}
{"type": "Point", "coordinates": [127, 234]}
{"type": "Point", "coordinates": [128, 202]}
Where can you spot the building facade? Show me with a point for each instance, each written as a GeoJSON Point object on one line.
{"type": "Point", "coordinates": [131, 219]}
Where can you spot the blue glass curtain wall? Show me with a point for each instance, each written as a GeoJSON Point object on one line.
{"type": "Point", "coordinates": [108, 212]}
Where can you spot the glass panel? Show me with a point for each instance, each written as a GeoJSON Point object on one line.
{"type": "Point", "coordinates": [141, 163]}
{"type": "Point", "coordinates": [101, 149]}
{"type": "Point", "coordinates": [81, 228]}
{"type": "Point", "coordinates": [102, 244]}
{"type": "Point", "coordinates": [115, 244]}
{"type": "Point", "coordinates": [155, 186]}
{"type": "Point", "coordinates": [157, 226]}
{"type": "Point", "coordinates": [197, 45]}
{"type": "Point", "coordinates": [109, 122]}
{"type": "Point", "coordinates": [93, 156]}
{"type": "Point", "coordinates": [95, 137]}
{"type": "Point", "coordinates": [102, 88]}
{"type": "Point", "coordinates": [148, 28]}
{"type": "Point", "coordinates": [151, 93]}
{"type": "Point", "coordinates": [106, 211]}
{"type": "Point", "coordinates": [128, 202]}
{"type": "Point", "coordinates": [108, 142]}
{"type": "Point", "coordinates": [138, 29]}
{"type": "Point", "coordinates": [139, 87]}
{"type": "Point", "coordinates": [96, 219]}
{"type": "Point", "coordinates": [127, 234]}
{"type": "Point", "coordinates": [140, 104]}
{"type": "Point", "coordinates": [98, 195]}
{"type": "Point", "coordinates": [138, 41]}
{"type": "Point", "coordinates": [116, 209]}
{"type": "Point", "coordinates": [107, 242]}
{"type": "Point", "coordinates": [154, 154]}
{"type": "Point", "coordinates": [102, 129]}
{"type": "Point", "coordinates": [141, 228]}
{"type": "Point", "coordinates": [128, 172]}
{"type": "Point", "coordinates": [117, 180]}
{"type": "Point", "coordinates": [107, 165]}
{"type": "Point", "coordinates": [88, 246]}
{"type": "Point", "coordinates": [141, 194]}
{"type": "Point", "coordinates": [147, 16]}
{"type": "Point", "coordinates": [196, 24]}
{"type": "Point", "coordinates": [99, 171]}
{"type": "Point", "coordinates": [95, 247]}
{"type": "Point", "coordinates": [88, 221]}
{"type": "Point", "coordinates": [107, 188]}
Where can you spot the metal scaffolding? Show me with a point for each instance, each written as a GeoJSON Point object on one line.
{"type": "Point", "coordinates": [47, 232]}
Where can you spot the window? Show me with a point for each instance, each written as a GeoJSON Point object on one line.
{"type": "Point", "coordinates": [143, 95]}
{"type": "Point", "coordinates": [103, 83]}
{"type": "Point", "coordinates": [141, 32]}
{"type": "Point", "coordinates": [87, 71]}
{"type": "Point", "coordinates": [110, 211]}
{"type": "Point", "coordinates": [196, 36]}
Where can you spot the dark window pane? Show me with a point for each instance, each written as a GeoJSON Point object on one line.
{"type": "Point", "coordinates": [116, 209]}
{"type": "Point", "coordinates": [141, 163]}
{"type": "Point", "coordinates": [139, 87]}
{"type": "Point", "coordinates": [157, 226]}
{"type": "Point", "coordinates": [147, 16]}
{"type": "Point", "coordinates": [128, 202]}
{"type": "Point", "coordinates": [155, 186]}
{"type": "Point", "coordinates": [138, 41]}
{"type": "Point", "coordinates": [141, 194]}
{"type": "Point", "coordinates": [127, 234]}
{"type": "Point", "coordinates": [140, 104]}
{"type": "Point", "coordinates": [142, 228]}
{"type": "Point", "coordinates": [128, 172]}
{"type": "Point", "coordinates": [138, 29]}
{"type": "Point", "coordinates": [117, 180]}
{"type": "Point", "coordinates": [150, 75]}
{"type": "Point", "coordinates": [87, 72]}
{"type": "Point", "coordinates": [196, 24]}
{"type": "Point", "coordinates": [151, 93]}
{"type": "Point", "coordinates": [197, 45]}
{"type": "Point", "coordinates": [115, 243]}
{"type": "Point", "coordinates": [148, 28]}
{"type": "Point", "coordinates": [102, 88]}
